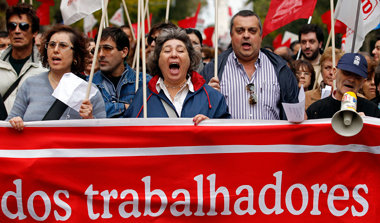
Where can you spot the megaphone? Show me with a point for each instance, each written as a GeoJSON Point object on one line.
{"type": "Point", "coordinates": [347, 122]}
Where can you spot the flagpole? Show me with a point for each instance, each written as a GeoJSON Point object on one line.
{"type": "Point", "coordinates": [148, 14]}
{"type": "Point", "coordinates": [332, 31]}
{"type": "Point", "coordinates": [356, 26]}
{"type": "Point", "coordinates": [145, 111]}
{"type": "Point", "coordinates": [129, 19]}
{"type": "Point", "coordinates": [299, 51]}
{"type": "Point", "coordinates": [96, 50]}
{"type": "Point", "coordinates": [216, 40]}
{"type": "Point", "coordinates": [167, 11]}
{"type": "Point", "coordinates": [137, 52]}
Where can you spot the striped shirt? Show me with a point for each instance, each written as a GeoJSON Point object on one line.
{"type": "Point", "coordinates": [266, 87]}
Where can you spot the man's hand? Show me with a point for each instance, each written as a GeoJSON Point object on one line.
{"type": "Point", "coordinates": [214, 83]}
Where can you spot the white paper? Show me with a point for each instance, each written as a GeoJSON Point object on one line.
{"type": "Point", "coordinates": [71, 90]}
{"type": "Point", "coordinates": [326, 91]}
{"type": "Point", "coordinates": [295, 112]}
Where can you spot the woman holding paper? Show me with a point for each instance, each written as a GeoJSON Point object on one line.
{"type": "Point", "coordinates": [176, 89]}
{"type": "Point", "coordinates": [64, 52]}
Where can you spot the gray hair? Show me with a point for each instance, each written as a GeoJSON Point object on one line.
{"type": "Point", "coordinates": [169, 34]}
{"type": "Point", "coordinates": [246, 13]}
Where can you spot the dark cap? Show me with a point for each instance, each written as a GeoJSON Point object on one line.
{"type": "Point", "coordinates": [355, 63]}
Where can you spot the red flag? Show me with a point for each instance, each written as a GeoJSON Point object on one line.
{"type": "Point", "coordinates": [134, 25]}
{"type": "Point", "coordinates": [190, 22]}
{"type": "Point", "coordinates": [339, 26]}
{"type": "Point", "coordinates": [43, 12]}
{"type": "Point", "coordinates": [277, 42]}
{"type": "Point", "coordinates": [12, 2]}
{"type": "Point", "coordinates": [282, 12]}
{"type": "Point", "coordinates": [208, 33]}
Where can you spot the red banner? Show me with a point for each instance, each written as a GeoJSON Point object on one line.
{"type": "Point", "coordinates": [167, 170]}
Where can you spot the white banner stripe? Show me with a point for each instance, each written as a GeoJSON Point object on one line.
{"type": "Point", "coordinates": [192, 150]}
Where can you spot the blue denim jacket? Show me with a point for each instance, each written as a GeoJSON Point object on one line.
{"type": "Point", "coordinates": [115, 99]}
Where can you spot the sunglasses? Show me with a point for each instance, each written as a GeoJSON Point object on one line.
{"type": "Point", "coordinates": [22, 25]}
{"type": "Point", "coordinates": [252, 96]}
{"type": "Point", "coordinates": [151, 39]}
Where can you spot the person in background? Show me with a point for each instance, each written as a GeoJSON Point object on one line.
{"type": "Point", "coordinates": [132, 44]}
{"type": "Point", "coordinates": [4, 41]}
{"type": "Point", "coordinates": [65, 51]}
{"type": "Point", "coordinates": [376, 50]}
{"type": "Point", "coordinates": [376, 100]}
{"type": "Point", "coordinates": [351, 74]}
{"type": "Point", "coordinates": [176, 89]}
{"type": "Point", "coordinates": [196, 40]}
{"type": "Point", "coordinates": [295, 47]}
{"type": "Point", "coordinates": [89, 59]}
{"type": "Point", "coordinates": [253, 80]}
{"type": "Point", "coordinates": [208, 54]}
{"type": "Point", "coordinates": [304, 72]}
{"type": "Point", "coordinates": [38, 40]}
{"type": "Point", "coordinates": [369, 88]}
{"type": "Point", "coordinates": [155, 31]}
{"type": "Point", "coordinates": [286, 54]}
{"type": "Point", "coordinates": [21, 59]}
{"type": "Point", "coordinates": [328, 73]}
{"type": "Point", "coordinates": [115, 79]}
{"type": "Point", "coordinates": [311, 38]}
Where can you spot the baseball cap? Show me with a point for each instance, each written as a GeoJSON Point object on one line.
{"type": "Point", "coordinates": [355, 63]}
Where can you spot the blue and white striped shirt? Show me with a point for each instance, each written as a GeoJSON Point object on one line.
{"type": "Point", "coordinates": [267, 89]}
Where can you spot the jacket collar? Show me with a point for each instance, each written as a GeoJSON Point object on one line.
{"type": "Point", "coordinates": [34, 58]}
{"type": "Point", "coordinates": [196, 79]}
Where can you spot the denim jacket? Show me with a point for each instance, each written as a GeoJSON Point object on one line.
{"type": "Point", "coordinates": [115, 99]}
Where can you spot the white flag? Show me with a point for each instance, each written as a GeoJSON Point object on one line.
{"type": "Point", "coordinates": [74, 10]}
{"type": "Point", "coordinates": [369, 17]}
{"type": "Point", "coordinates": [117, 18]}
{"type": "Point", "coordinates": [88, 23]}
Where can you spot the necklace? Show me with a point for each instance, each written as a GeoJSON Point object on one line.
{"type": "Point", "coordinates": [175, 87]}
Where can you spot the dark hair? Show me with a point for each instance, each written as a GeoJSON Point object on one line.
{"type": "Point", "coordinates": [377, 78]}
{"type": "Point", "coordinates": [28, 10]}
{"type": "Point", "coordinates": [297, 64]}
{"type": "Point", "coordinates": [79, 45]}
{"type": "Point", "coordinates": [293, 44]}
{"type": "Point", "coordinates": [169, 34]}
{"type": "Point", "coordinates": [158, 27]}
{"type": "Point", "coordinates": [3, 34]}
{"type": "Point", "coordinates": [246, 13]}
{"type": "Point", "coordinates": [307, 28]}
{"type": "Point", "coordinates": [117, 35]}
{"type": "Point", "coordinates": [197, 33]}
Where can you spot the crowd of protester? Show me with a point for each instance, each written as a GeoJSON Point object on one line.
{"type": "Point", "coordinates": [252, 81]}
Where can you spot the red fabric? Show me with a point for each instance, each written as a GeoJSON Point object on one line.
{"type": "Point", "coordinates": [208, 33]}
{"type": "Point", "coordinates": [340, 27]}
{"type": "Point", "coordinates": [43, 12]}
{"type": "Point", "coordinates": [93, 33]}
{"type": "Point", "coordinates": [190, 22]}
{"type": "Point", "coordinates": [282, 12]}
{"type": "Point", "coordinates": [288, 173]}
{"type": "Point", "coordinates": [12, 2]}
{"type": "Point", "coordinates": [134, 25]}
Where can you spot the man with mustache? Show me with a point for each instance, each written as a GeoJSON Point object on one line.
{"type": "Point", "coordinates": [115, 79]}
{"type": "Point", "coordinates": [311, 39]}
{"type": "Point", "coordinates": [21, 59]}
{"type": "Point", "coordinates": [351, 74]}
{"type": "Point", "coordinates": [253, 80]}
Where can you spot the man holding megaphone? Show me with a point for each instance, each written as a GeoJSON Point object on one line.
{"type": "Point", "coordinates": [351, 74]}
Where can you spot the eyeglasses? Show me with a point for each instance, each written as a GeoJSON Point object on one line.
{"type": "Point", "coordinates": [22, 25]}
{"type": "Point", "coordinates": [252, 96]}
{"type": "Point", "coordinates": [151, 39]}
{"type": "Point", "coordinates": [106, 48]}
{"type": "Point", "coordinates": [300, 73]}
{"type": "Point", "coordinates": [61, 45]}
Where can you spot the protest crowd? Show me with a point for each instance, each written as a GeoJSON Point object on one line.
{"type": "Point", "coordinates": [251, 81]}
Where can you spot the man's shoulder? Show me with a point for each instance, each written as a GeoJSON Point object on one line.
{"type": "Point", "coordinates": [323, 108]}
{"type": "Point", "coordinates": [368, 107]}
